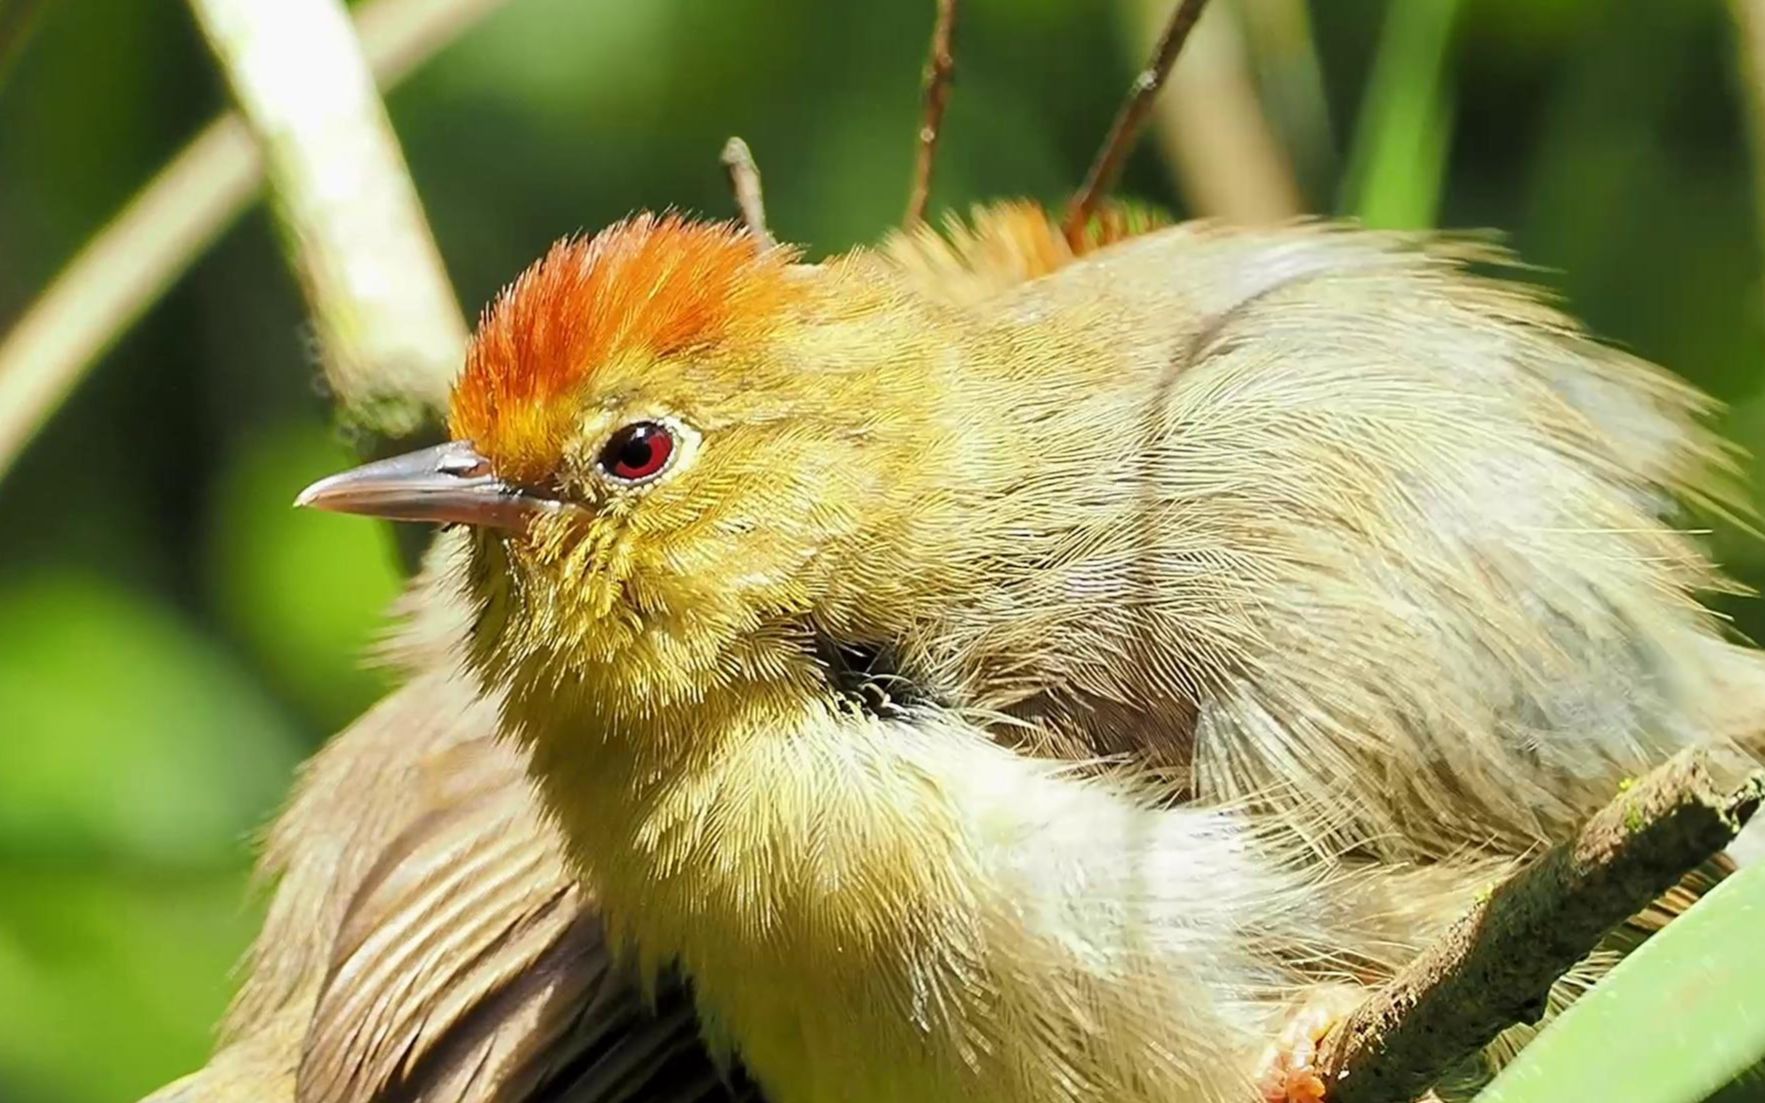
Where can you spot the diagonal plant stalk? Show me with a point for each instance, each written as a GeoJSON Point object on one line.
{"type": "Point", "coordinates": [1290, 76]}
{"type": "Point", "coordinates": [125, 268]}
{"type": "Point", "coordinates": [390, 329]}
{"type": "Point", "coordinates": [118, 275]}
{"type": "Point", "coordinates": [1494, 966]}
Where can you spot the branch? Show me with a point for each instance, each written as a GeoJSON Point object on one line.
{"type": "Point", "coordinates": [389, 326]}
{"type": "Point", "coordinates": [940, 70]}
{"type": "Point", "coordinates": [1494, 967]}
{"type": "Point", "coordinates": [125, 268]}
{"type": "Point", "coordinates": [1126, 129]}
{"type": "Point", "coordinates": [744, 181]}
{"type": "Point", "coordinates": [1212, 126]}
{"type": "Point", "coordinates": [118, 275]}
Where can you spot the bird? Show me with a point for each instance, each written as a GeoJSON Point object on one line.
{"type": "Point", "coordinates": [988, 666]}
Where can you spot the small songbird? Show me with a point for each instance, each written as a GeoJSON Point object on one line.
{"type": "Point", "coordinates": [980, 669]}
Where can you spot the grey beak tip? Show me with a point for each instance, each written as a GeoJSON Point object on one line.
{"type": "Point", "coordinates": [308, 497]}
{"type": "Point", "coordinates": [446, 484]}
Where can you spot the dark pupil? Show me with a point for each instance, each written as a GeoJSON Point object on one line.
{"type": "Point", "coordinates": [637, 450]}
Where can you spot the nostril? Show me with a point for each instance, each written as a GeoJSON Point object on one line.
{"type": "Point", "coordinates": [464, 464]}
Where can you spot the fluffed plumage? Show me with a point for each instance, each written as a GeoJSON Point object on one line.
{"type": "Point", "coordinates": [426, 940]}
{"type": "Point", "coordinates": [1027, 675]}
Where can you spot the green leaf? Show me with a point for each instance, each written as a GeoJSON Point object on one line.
{"type": "Point", "coordinates": [127, 735]}
{"type": "Point", "coordinates": [111, 983]}
{"type": "Point", "coordinates": [1678, 1019]}
{"type": "Point", "coordinates": [307, 591]}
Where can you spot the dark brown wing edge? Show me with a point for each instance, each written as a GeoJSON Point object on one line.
{"type": "Point", "coordinates": [425, 942]}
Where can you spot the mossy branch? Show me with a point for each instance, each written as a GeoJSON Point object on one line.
{"type": "Point", "coordinates": [1494, 966]}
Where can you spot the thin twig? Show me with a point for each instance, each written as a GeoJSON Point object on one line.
{"type": "Point", "coordinates": [940, 70]}
{"type": "Point", "coordinates": [1494, 967]}
{"type": "Point", "coordinates": [125, 268]}
{"type": "Point", "coordinates": [1128, 121]}
{"type": "Point", "coordinates": [1213, 128]}
{"type": "Point", "coordinates": [389, 327]}
{"type": "Point", "coordinates": [744, 181]}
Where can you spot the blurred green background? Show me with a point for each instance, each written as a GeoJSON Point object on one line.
{"type": "Point", "coordinates": [174, 639]}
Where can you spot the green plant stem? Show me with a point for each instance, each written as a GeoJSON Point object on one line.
{"type": "Point", "coordinates": [1685, 1006]}
{"type": "Point", "coordinates": [1403, 133]}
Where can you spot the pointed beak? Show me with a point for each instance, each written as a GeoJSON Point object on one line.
{"type": "Point", "coordinates": [448, 484]}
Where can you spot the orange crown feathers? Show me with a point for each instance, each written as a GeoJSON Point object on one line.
{"type": "Point", "coordinates": [649, 286]}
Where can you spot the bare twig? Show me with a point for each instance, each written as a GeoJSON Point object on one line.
{"type": "Point", "coordinates": [1126, 129]}
{"type": "Point", "coordinates": [744, 181]}
{"type": "Point", "coordinates": [130, 263]}
{"type": "Point", "coordinates": [389, 327]}
{"type": "Point", "coordinates": [940, 70]}
{"type": "Point", "coordinates": [1494, 966]}
{"type": "Point", "coordinates": [1212, 126]}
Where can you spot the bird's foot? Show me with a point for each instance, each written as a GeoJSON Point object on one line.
{"type": "Point", "coordinates": [1288, 1071]}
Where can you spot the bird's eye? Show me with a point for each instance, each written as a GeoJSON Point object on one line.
{"type": "Point", "coordinates": [638, 452]}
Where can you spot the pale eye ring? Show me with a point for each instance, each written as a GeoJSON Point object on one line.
{"type": "Point", "coordinates": [637, 453]}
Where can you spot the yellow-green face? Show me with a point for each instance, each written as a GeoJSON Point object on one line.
{"type": "Point", "coordinates": [671, 448]}
{"type": "Point", "coordinates": [709, 507]}
{"type": "Point", "coordinates": [684, 523]}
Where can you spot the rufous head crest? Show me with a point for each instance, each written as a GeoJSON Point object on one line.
{"type": "Point", "coordinates": [652, 286]}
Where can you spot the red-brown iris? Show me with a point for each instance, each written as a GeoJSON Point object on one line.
{"type": "Point", "coordinates": [638, 452]}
